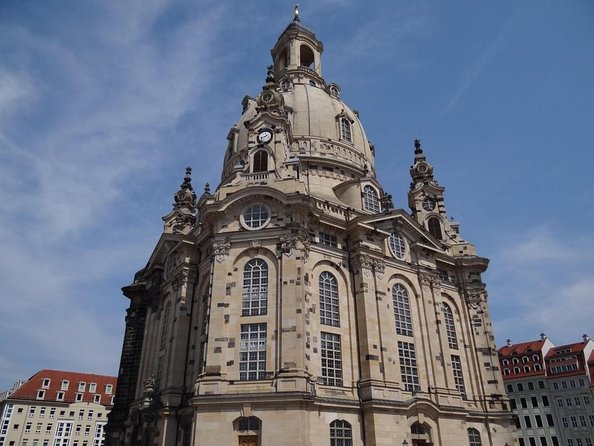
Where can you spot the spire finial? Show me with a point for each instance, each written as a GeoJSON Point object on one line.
{"type": "Point", "coordinates": [418, 149]}
{"type": "Point", "coordinates": [296, 16]}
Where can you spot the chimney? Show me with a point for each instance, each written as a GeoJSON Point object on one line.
{"type": "Point", "coordinates": [585, 337]}
{"type": "Point", "coordinates": [543, 337]}
{"type": "Point", "coordinates": [508, 342]}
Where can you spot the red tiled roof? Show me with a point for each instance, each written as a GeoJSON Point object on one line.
{"type": "Point", "coordinates": [524, 347]}
{"type": "Point", "coordinates": [29, 390]}
{"type": "Point", "coordinates": [573, 348]}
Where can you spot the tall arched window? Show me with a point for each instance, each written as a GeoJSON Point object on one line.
{"type": "Point", "coordinates": [306, 56]}
{"type": "Point", "coordinates": [255, 288]}
{"type": "Point", "coordinates": [341, 433]}
{"type": "Point", "coordinates": [474, 437]}
{"type": "Point", "coordinates": [164, 325]}
{"type": "Point", "coordinates": [260, 161]}
{"type": "Point", "coordinates": [370, 199]}
{"type": "Point", "coordinates": [450, 327]}
{"type": "Point", "coordinates": [329, 311]}
{"type": "Point", "coordinates": [434, 227]}
{"type": "Point", "coordinates": [401, 310]}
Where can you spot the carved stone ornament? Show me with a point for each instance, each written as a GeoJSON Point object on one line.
{"type": "Point", "coordinates": [180, 279]}
{"type": "Point", "coordinates": [220, 249]}
{"type": "Point", "coordinates": [288, 242]}
{"type": "Point", "coordinates": [149, 386]}
{"type": "Point", "coordinates": [429, 279]}
{"type": "Point", "coordinates": [368, 264]}
{"type": "Point", "coordinates": [475, 296]}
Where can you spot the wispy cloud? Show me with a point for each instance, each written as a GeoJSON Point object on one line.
{"type": "Point", "coordinates": [69, 184]}
{"type": "Point", "coordinates": [543, 282]}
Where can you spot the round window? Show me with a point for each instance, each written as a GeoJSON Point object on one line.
{"type": "Point", "coordinates": [397, 245]}
{"type": "Point", "coordinates": [255, 216]}
{"type": "Point", "coordinates": [428, 204]}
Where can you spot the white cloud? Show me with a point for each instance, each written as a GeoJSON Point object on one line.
{"type": "Point", "coordinates": [543, 282]}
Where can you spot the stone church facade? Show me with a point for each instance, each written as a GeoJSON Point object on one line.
{"type": "Point", "coordinates": [294, 305]}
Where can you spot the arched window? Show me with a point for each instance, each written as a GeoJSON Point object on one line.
{"type": "Point", "coordinates": [345, 129]}
{"type": "Point", "coordinates": [537, 367]}
{"type": "Point", "coordinates": [474, 437]}
{"type": "Point", "coordinates": [164, 325]}
{"type": "Point", "coordinates": [260, 161]}
{"type": "Point", "coordinates": [255, 288]}
{"type": "Point", "coordinates": [306, 56]}
{"type": "Point", "coordinates": [370, 199]}
{"type": "Point", "coordinates": [434, 227]}
{"type": "Point", "coordinates": [329, 311]}
{"type": "Point", "coordinates": [450, 327]}
{"type": "Point", "coordinates": [505, 362]}
{"type": "Point", "coordinates": [402, 316]}
{"type": "Point", "coordinates": [397, 245]}
{"type": "Point", "coordinates": [525, 359]}
{"type": "Point", "coordinates": [515, 360]}
{"type": "Point", "coordinates": [516, 369]}
{"type": "Point", "coordinates": [506, 371]}
{"type": "Point", "coordinates": [535, 357]}
{"type": "Point", "coordinates": [526, 369]}
{"type": "Point", "coordinates": [341, 433]}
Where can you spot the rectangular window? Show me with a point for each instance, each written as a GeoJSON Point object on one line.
{"type": "Point", "coordinates": [538, 419]}
{"type": "Point", "coordinates": [570, 442]}
{"type": "Point", "coordinates": [583, 420]}
{"type": "Point", "coordinates": [510, 388]}
{"type": "Point", "coordinates": [64, 384]}
{"type": "Point", "coordinates": [63, 433]}
{"type": "Point", "coordinates": [60, 396]}
{"type": "Point", "coordinates": [82, 386]}
{"type": "Point", "coordinates": [458, 376]}
{"type": "Point", "coordinates": [564, 384]}
{"type": "Point", "coordinates": [52, 412]}
{"type": "Point", "coordinates": [79, 397]}
{"type": "Point", "coordinates": [46, 383]}
{"type": "Point", "coordinates": [572, 383]}
{"type": "Point", "coordinates": [38, 428]}
{"type": "Point", "coordinates": [512, 403]}
{"type": "Point", "coordinates": [527, 422]}
{"type": "Point", "coordinates": [534, 401]}
{"type": "Point", "coordinates": [97, 398]}
{"type": "Point", "coordinates": [568, 402]}
{"type": "Point", "coordinates": [252, 353]}
{"type": "Point", "coordinates": [574, 422]}
{"type": "Point", "coordinates": [92, 387]}
{"type": "Point", "coordinates": [532, 441]}
{"type": "Point", "coordinates": [99, 434]}
{"type": "Point", "coordinates": [331, 359]}
{"type": "Point", "coordinates": [545, 400]}
{"type": "Point", "coordinates": [328, 239]}
{"type": "Point", "coordinates": [588, 441]}
{"type": "Point", "coordinates": [32, 411]}
{"type": "Point", "coordinates": [48, 428]}
{"type": "Point", "coordinates": [564, 422]}
{"type": "Point", "coordinates": [543, 441]}
{"type": "Point", "coordinates": [108, 389]}
{"type": "Point", "coordinates": [90, 415]}
{"type": "Point", "coordinates": [541, 384]}
{"type": "Point", "coordinates": [28, 427]}
{"type": "Point", "coordinates": [40, 394]}
{"type": "Point", "coordinates": [586, 400]}
{"type": "Point", "coordinates": [591, 418]}
{"type": "Point", "coordinates": [530, 385]}
{"type": "Point", "coordinates": [520, 387]}
{"type": "Point", "coordinates": [556, 386]}
{"type": "Point", "coordinates": [555, 441]}
{"type": "Point", "coordinates": [523, 403]}
{"type": "Point", "coordinates": [408, 366]}
{"type": "Point", "coordinates": [579, 442]}
{"type": "Point", "coordinates": [521, 440]}
{"type": "Point", "coordinates": [81, 414]}
{"type": "Point", "coordinates": [577, 401]}
{"type": "Point", "coordinates": [550, 421]}
{"type": "Point", "coordinates": [559, 402]}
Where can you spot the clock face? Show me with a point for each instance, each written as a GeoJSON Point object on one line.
{"type": "Point", "coordinates": [428, 204]}
{"type": "Point", "coordinates": [264, 136]}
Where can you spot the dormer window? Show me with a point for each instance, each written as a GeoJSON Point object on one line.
{"type": "Point", "coordinates": [345, 129]}
{"type": "Point", "coordinates": [260, 163]}
{"type": "Point", "coordinates": [371, 199]}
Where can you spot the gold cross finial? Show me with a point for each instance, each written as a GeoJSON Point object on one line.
{"type": "Point", "coordinates": [296, 17]}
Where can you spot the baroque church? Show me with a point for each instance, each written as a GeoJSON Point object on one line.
{"type": "Point", "coordinates": [294, 305]}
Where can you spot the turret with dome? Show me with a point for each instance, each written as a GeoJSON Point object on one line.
{"type": "Point", "coordinates": [293, 305]}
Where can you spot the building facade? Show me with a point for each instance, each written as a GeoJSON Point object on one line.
{"type": "Point", "coordinates": [295, 305]}
{"type": "Point", "coordinates": [551, 391]}
{"type": "Point", "coordinates": [57, 408]}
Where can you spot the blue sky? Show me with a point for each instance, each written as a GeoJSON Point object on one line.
{"type": "Point", "coordinates": [104, 103]}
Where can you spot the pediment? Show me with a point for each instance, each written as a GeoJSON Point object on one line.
{"type": "Point", "coordinates": [398, 218]}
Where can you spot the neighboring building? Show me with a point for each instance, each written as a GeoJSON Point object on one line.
{"type": "Point", "coordinates": [551, 391]}
{"type": "Point", "coordinates": [59, 409]}
{"type": "Point", "coordinates": [294, 306]}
